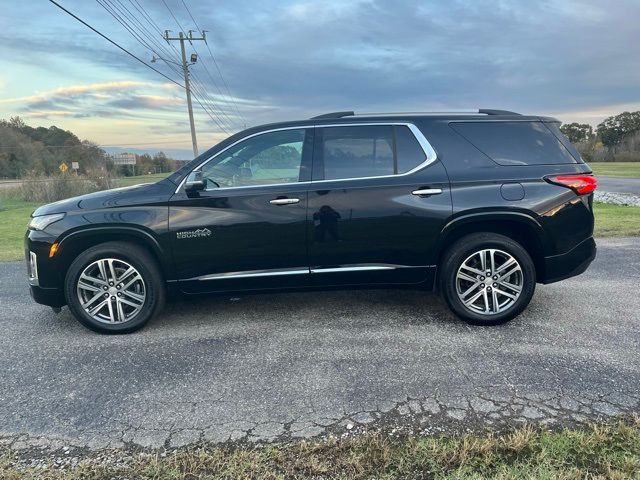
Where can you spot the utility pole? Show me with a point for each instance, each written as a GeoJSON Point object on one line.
{"type": "Point", "coordinates": [185, 69]}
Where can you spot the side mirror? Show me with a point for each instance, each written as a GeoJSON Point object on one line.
{"type": "Point", "coordinates": [195, 182]}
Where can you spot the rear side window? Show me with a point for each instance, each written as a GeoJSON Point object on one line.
{"type": "Point", "coordinates": [350, 152]}
{"type": "Point", "coordinates": [515, 143]}
{"type": "Point", "coordinates": [368, 151]}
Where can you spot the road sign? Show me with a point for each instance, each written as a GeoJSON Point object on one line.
{"type": "Point", "coordinates": [63, 167]}
{"type": "Point", "coordinates": [123, 159]}
{"type": "Point", "coordinates": [75, 165]}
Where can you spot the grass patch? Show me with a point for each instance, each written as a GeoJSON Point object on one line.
{"type": "Point", "coordinates": [616, 169]}
{"type": "Point", "coordinates": [609, 451]}
{"type": "Point", "coordinates": [138, 179]}
{"type": "Point", "coordinates": [14, 217]}
{"type": "Point", "coordinates": [616, 220]}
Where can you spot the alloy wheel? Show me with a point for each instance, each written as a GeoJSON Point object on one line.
{"type": "Point", "coordinates": [489, 281]}
{"type": "Point", "coordinates": [111, 290]}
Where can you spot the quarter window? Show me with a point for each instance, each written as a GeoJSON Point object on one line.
{"type": "Point", "coordinates": [409, 152]}
{"type": "Point", "coordinates": [270, 158]}
{"type": "Point", "coordinates": [515, 143]}
{"type": "Point", "coordinates": [368, 151]}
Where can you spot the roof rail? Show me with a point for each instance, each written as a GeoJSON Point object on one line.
{"type": "Point", "coordinates": [333, 115]}
{"type": "Point", "coordinates": [489, 111]}
{"type": "Point", "coordinates": [484, 111]}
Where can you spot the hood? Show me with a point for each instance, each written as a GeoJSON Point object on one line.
{"type": "Point", "coordinates": [147, 193]}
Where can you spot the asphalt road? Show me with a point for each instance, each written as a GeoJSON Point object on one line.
{"type": "Point", "coordinates": [619, 185]}
{"type": "Point", "coordinates": [281, 366]}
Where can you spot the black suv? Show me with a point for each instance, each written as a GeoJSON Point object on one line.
{"type": "Point", "coordinates": [479, 206]}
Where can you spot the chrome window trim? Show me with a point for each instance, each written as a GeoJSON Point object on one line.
{"type": "Point", "coordinates": [430, 153]}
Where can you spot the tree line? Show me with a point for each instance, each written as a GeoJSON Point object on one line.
{"type": "Point", "coordinates": [617, 138]}
{"type": "Point", "coordinates": [26, 150]}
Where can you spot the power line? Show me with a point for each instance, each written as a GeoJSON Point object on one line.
{"type": "Point", "coordinates": [111, 10]}
{"type": "Point", "coordinates": [235, 104]}
{"type": "Point", "coordinates": [213, 105]}
{"type": "Point", "coordinates": [160, 49]}
{"type": "Point", "coordinates": [123, 22]}
{"type": "Point", "coordinates": [175, 19]}
{"type": "Point", "coordinates": [145, 38]}
{"type": "Point", "coordinates": [222, 111]}
{"type": "Point", "coordinates": [198, 96]}
{"type": "Point", "coordinates": [203, 100]}
{"type": "Point", "coordinates": [114, 43]}
{"type": "Point", "coordinates": [111, 7]}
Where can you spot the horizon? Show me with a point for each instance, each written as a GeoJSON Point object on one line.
{"type": "Point", "coordinates": [296, 59]}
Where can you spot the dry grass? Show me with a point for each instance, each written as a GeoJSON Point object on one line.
{"type": "Point", "coordinates": [610, 451]}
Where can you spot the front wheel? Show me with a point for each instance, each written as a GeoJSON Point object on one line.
{"type": "Point", "coordinates": [487, 279]}
{"type": "Point", "coordinates": [115, 287]}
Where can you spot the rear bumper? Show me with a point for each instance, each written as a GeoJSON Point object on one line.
{"type": "Point", "coordinates": [569, 264]}
{"type": "Point", "coordinates": [52, 297]}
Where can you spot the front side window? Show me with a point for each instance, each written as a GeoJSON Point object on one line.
{"type": "Point", "coordinates": [269, 158]}
{"type": "Point", "coordinates": [368, 151]}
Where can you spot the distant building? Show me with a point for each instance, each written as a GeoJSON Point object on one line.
{"type": "Point", "coordinates": [123, 158]}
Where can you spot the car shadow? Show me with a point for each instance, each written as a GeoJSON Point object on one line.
{"type": "Point", "coordinates": [323, 308]}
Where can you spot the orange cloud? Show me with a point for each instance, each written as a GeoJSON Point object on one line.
{"type": "Point", "coordinates": [91, 88]}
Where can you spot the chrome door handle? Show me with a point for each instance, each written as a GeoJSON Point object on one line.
{"type": "Point", "coordinates": [284, 201]}
{"type": "Point", "coordinates": [427, 191]}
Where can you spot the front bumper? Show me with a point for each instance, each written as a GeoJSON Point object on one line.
{"type": "Point", "coordinates": [44, 275]}
{"type": "Point", "coordinates": [569, 264]}
{"type": "Point", "coordinates": [53, 297]}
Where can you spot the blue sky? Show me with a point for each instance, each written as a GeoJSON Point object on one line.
{"type": "Point", "coordinates": [577, 60]}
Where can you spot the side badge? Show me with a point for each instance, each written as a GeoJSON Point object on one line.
{"type": "Point", "coordinates": [201, 232]}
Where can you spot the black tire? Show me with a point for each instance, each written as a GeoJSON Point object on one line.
{"type": "Point", "coordinates": [460, 251]}
{"type": "Point", "coordinates": [135, 256]}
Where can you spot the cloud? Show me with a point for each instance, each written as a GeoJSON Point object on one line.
{"type": "Point", "coordinates": [123, 99]}
{"type": "Point", "coordinates": [284, 59]}
{"type": "Point", "coordinates": [147, 102]}
{"type": "Point", "coordinates": [307, 57]}
{"type": "Point", "coordinates": [72, 92]}
{"type": "Point", "coordinates": [49, 114]}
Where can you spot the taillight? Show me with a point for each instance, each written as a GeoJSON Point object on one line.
{"type": "Point", "coordinates": [581, 184]}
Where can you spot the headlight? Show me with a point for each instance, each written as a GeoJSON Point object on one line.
{"type": "Point", "coordinates": [43, 221]}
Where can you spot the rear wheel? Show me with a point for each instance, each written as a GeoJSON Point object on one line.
{"type": "Point", "coordinates": [487, 279]}
{"type": "Point", "coordinates": [114, 287]}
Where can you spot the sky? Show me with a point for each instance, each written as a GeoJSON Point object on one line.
{"type": "Point", "coordinates": [269, 60]}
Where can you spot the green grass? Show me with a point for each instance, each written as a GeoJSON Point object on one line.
{"type": "Point", "coordinates": [138, 179]}
{"type": "Point", "coordinates": [616, 220]}
{"type": "Point", "coordinates": [611, 221]}
{"type": "Point", "coordinates": [14, 217]}
{"type": "Point", "coordinates": [605, 451]}
{"type": "Point", "coordinates": [616, 169]}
